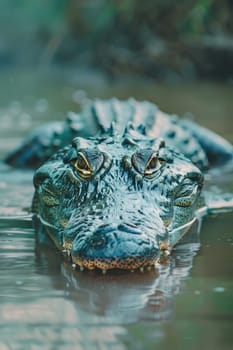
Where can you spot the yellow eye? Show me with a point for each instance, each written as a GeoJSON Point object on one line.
{"type": "Point", "coordinates": [82, 165]}
{"type": "Point", "coordinates": [152, 165]}
{"type": "Point", "coordinates": [147, 162]}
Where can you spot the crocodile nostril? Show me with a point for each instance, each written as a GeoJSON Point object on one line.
{"type": "Point", "coordinates": [129, 228]}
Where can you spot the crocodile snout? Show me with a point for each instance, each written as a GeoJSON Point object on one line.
{"type": "Point", "coordinates": [120, 246]}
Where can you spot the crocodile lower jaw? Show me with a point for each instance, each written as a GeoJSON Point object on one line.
{"type": "Point", "coordinates": [117, 263]}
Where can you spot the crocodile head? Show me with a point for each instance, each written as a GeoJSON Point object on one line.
{"type": "Point", "coordinates": [114, 201]}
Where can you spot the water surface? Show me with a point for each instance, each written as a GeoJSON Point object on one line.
{"type": "Point", "coordinates": [186, 303]}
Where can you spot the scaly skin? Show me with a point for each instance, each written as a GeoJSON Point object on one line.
{"type": "Point", "coordinates": [99, 116]}
{"type": "Point", "coordinates": [114, 201]}
{"type": "Point", "coordinates": [119, 199]}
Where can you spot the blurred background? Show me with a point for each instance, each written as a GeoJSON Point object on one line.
{"type": "Point", "coordinates": [162, 39]}
{"type": "Point", "coordinates": [54, 54]}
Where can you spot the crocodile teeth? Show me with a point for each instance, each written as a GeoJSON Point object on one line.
{"type": "Point", "coordinates": [141, 269]}
{"type": "Point", "coordinates": [104, 271]}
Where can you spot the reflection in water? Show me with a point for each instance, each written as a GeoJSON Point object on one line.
{"type": "Point", "coordinates": [46, 299]}
{"type": "Point", "coordinates": [130, 298]}
{"type": "Point", "coordinates": [123, 297]}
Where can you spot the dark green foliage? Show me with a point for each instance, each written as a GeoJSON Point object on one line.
{"type": "Point", "coordinates": [157, 37]}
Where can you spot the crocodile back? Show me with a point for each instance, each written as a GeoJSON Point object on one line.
{"type": "Point", "coordinates": [148, 120]}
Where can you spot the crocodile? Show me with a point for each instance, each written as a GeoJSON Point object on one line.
{"type": "Point", "coordinates": [125, 183]}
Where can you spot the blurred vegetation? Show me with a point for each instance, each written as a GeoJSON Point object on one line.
{"type": "Point", "coordinates": [161, 38]}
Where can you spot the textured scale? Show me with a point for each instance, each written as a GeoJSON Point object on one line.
{"type": "Point", "coordinates": [120, 182]}
{"type": "Point", "coordinates": [202, 147]}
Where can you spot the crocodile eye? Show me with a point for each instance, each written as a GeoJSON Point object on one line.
{"type": "Point", "coordinates": [147, 162]}
{"type": "Point", "coordinates": [152, 165]}
{"type": "Point", "coordinates": [82, 165]}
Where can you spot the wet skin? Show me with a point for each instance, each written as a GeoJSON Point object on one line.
{"type": "Point", "coordinates": [121, 198]}
{"type": "Point", "coordinates": [114, 201]}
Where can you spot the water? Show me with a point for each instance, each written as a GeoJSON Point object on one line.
{"type": "Point", "coordinates": [45, 304]}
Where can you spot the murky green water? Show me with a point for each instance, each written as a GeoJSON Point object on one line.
{"type": "Point", "coordinates": [44, 304]}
